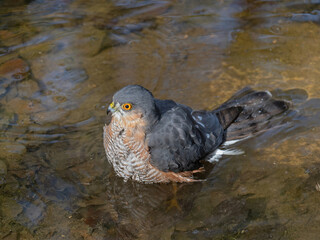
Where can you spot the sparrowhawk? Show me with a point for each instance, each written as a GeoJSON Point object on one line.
{"type": "Point", "coordinates": [151, 140]}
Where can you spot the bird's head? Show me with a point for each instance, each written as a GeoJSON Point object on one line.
{"type": "Point", "coordinates": [132, 103]}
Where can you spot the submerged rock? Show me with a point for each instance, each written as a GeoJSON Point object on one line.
{"type": "Point", "coordinates": [11, 149]}
{"type": "Point", "coordinates": [3, 168]}
{"type": "Point", "coordinates": [27, 88]}
{"type": "Point", "coordinates": [11, 93]}
{"type": "Point", "coordinates": [7, 119]}
{"type": "Point", "coordinates": [35, 51]}
{"type": "Point", "coordinates": [24, 120]}
{"type": "Point", "coordinates": [91, 41]}
{"type": "Point", "coordinates": [49, 116]}
{"type": "Point", "coordinates": [12, 71]}
{"type": "Point", "coordinates": [25, 106]}
{"type": "Point", "coordinates": [9, 208]}
{"type": "Point", "coordinates": [13, 154]}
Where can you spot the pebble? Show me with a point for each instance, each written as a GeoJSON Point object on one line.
{"type": "Point", "coordinates": [10, 209]}
{"type": "Point", "coordinates": [35, 51]}
{"type": "Point", "coordinates": [11, 93]}
{"type": "Point", "coordinates": [13, 153]}
{"type": "Point", "coordinates": [9, 150]}
{"type": "Point", "coordinates": [24, 120]}
{"type": "Point", "coordinates": [6, 119]}
{"type": "Point", "coordinates": [91, 42]}
{"type": "Point", "coordinates": [12, 71]}
{"type": "Point", "coordinates": [12, 148]}
{"type": "Point", "coordinates": [25, 106]}
{"type": "Point", "coordinates": [27, 88]}
{"type": "Point", "coordinates": [49, 116]}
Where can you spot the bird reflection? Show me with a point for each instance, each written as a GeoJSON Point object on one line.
{"type": "Point", "coordinates": [131, 210]}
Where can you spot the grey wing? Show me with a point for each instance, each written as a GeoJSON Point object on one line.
{"type": "Point", "coordinates": [179, 141]}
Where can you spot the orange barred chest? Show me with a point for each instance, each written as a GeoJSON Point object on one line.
{"type": "Point", "coordinates": [127, 151]}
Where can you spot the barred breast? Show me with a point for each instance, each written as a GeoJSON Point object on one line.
{"type": "Point", "coordinates": [128, 155]}
{"type": "Point", "coordinates": [127, 152]}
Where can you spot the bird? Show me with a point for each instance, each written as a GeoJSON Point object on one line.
{"type": "Point", "coordinates": [150, 140]}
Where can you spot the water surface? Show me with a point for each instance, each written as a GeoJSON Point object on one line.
{"type": "Point", "coordinates": [62, 60]}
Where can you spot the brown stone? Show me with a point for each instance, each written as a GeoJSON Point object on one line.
{"type": "Point", "coordinates": [49, 116]}
{"type": "Point", "coordinates": [27, 88]}
{"type": "Point", "coordinates": [33, 52]}
{"type": "Point", "coordinates": [13, 70]}
{"type": "Point", "coordinates": [24, 106]}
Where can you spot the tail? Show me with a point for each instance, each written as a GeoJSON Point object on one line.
{"type": "Point", "coordinates": [250, 112]}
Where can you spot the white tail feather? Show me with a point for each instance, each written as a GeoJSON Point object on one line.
{"type": "Point", "coordinates": [216, 155]}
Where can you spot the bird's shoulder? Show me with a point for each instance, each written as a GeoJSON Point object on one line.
{"type": "Point", "coordinates": [177, 141]}
{"type": "Point", "coordinates": [163, 106]}
{"type": "Point", "coordinates": [172, 116]}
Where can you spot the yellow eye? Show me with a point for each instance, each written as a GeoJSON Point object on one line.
{"type": "Point", "coordinates": [126, 106]}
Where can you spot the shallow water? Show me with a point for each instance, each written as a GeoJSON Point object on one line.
{"type": "Point", "coordinates": [62, 60]}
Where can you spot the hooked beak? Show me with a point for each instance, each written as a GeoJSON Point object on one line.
{"type": "Point", "coordinates": [111, 108]}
